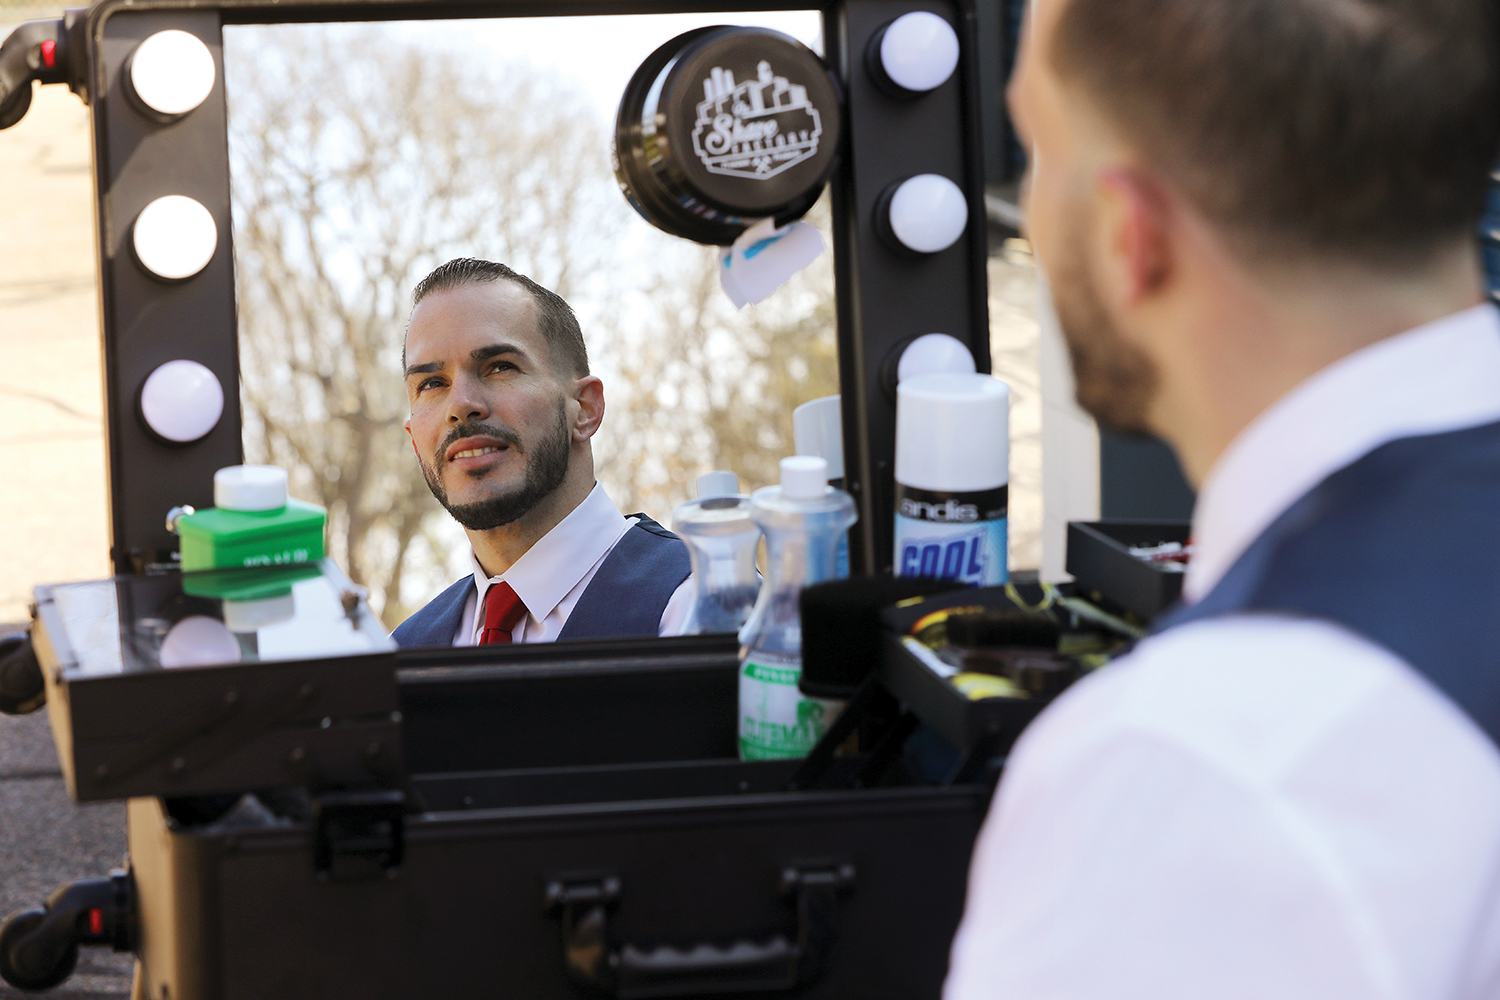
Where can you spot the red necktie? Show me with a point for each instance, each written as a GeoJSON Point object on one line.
{"type": "Point", "coordinates": [502, 610]}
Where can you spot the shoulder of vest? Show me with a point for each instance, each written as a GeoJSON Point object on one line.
{"type": "Point", "coordinates": [639, 520]}
{"type": "Point", "coordinates": [435, 622]}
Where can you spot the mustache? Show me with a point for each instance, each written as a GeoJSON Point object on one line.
{"type": "Point", "coordinates": [500, 433]}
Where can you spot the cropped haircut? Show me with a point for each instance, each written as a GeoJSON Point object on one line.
{"type": "Point", "coordinates": [1360, 130]}
{"type": "Point", "coordinates": [555, 317]}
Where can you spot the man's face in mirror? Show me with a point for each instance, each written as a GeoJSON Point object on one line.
{"type": "Point", "coordinates": [489, 416]}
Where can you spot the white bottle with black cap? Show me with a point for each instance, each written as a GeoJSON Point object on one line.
{"type": "Point", "coordinates": [952, 477]}
{"type": "Point", "coordinates": [802, 520]}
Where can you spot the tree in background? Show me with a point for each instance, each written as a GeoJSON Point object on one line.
{"type": "Point", "coordinates": [714, 388]}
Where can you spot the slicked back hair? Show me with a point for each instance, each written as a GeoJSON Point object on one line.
{"type": "Point", "coordinates": [1353, 130]}
{"type": "Point", "coordinates": [555, 317]}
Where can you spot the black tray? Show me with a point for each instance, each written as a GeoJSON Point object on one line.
{"type": "Point", "coordinates": [1099, 559]}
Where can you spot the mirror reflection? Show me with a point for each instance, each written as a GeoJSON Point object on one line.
{"type": "Point", "coordinates": [355, 178]}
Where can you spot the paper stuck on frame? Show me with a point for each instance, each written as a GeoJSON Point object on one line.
{"type": "Point", "coordinates": [764, 258]}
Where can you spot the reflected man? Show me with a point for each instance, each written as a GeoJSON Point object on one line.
{"type": "Point", "coordinates": [503, 410]}
{"type": "Point", "coordinates": [1259, 221]}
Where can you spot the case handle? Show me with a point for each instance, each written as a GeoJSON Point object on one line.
{"type": "Point", "coordinates": [629, 972]}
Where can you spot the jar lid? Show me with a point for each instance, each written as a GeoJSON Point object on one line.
{"type": "Point", "coordinates": [723, 126]}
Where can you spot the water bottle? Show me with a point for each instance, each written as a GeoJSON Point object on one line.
{"type": "Point", "coordinates": [721, 541]}
{"type": "Point", "coordinates": [818, 429]}
{"type": "Point", "coordinates": [802, 519]}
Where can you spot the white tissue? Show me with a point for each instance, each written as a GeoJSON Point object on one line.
{"type": "Point", "coordinates": [764, 258]}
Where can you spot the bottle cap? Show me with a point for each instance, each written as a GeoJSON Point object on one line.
{"type": "Point", "coordinates": [818, 429]}
{"type": "Point", "coordinates": [953, 432]}
{"type": "Point", "coordinates": [250, 488]}
{"type": "Point", "coordinates": [804, 477]}
{"type": "Point", "coordinates": [720, 483]}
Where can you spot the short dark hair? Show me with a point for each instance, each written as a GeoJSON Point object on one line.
{"type": "Point", "coordinates": [555, 317]}
{"type": "Point", "coordinates": [1362, 130]}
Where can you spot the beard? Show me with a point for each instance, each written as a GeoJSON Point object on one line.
{"type": "Point", "coordinates": [1114, 381]}
{"type": "Point", "coordinates": [546, 468]}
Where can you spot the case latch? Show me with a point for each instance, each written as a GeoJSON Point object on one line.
{"type": "Point", "coordinates": [358, 835]}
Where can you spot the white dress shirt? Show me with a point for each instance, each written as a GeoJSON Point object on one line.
{"type": "Point", "coordinates": [1256, 806]}
{"type": "Point", "coordinates": [552, 575]}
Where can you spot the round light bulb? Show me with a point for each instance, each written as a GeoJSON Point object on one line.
{"type": "Point", "coordinates": [199, 641]}
{"type": "Point", "coordinates": [932, 353]}
{"type": "Point", "coordinates": [919, 51]}
{"type": "Point", "coordinates": [928, 213]}
{"type": "Point", "coordinates": [172, 72]}
{"type": "Point", "coordinates": [174, 237]}
{"type": "Point", "coordinates": [182, 401]}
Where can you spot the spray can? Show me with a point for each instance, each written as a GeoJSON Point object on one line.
{"type": "Point", "coordinates": [721, 541]}
{"type": "Point", "coordinates": [802, 520]}
{"type": "Point", "coordinates": [952, 477]}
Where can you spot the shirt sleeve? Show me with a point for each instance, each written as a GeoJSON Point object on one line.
{"type": "Point", "coordinates": [674, 615]}
{"type": "Point", "coordinates": [1137, 872]}
{"type": "Point", "coordinates": [1237, 810]}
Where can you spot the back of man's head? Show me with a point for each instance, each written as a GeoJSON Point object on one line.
{"type": "Point", "coordinates": [1353, 130]}
{"type": "Point", "coordinates": [555, 317]}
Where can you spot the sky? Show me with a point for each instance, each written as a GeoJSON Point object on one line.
{"type": "Point", "coordinates": [601, 52]}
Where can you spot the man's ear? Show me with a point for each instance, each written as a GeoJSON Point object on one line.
{"type": "Point", "coordinates": [1134, 235]}
{"type": "Point", "coordinates": [588, 394]}
{"type": "Point", "coordinates": [415, 450]}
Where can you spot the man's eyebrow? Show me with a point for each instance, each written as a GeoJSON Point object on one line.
{"type": "Point", "coordinates": [431, 366]}
{"type": "Point", "coordinates": [491, 350]}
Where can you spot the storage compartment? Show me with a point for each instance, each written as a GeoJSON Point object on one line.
{"type": "Point", "coordinates": [1100, 560]}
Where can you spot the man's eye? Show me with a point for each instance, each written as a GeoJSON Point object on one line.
{"type": "Point", "coordinates": [503, 366]}
{"type": "Point", "coordinates": [429, 383]}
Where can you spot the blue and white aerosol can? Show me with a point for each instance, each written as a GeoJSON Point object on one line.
{"type": "Point", "coordinates": [952, 477]}
{"type": "Point", "coordinates": [802, 520]}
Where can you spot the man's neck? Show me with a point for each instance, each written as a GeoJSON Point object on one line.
{"type": "Point", "coordinates": [1260, 341]}
{"type": "Point", "coordinates": [498, 548]}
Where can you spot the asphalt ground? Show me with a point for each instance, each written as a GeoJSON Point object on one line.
{"type": "Point", "coordinates": [47, 841]}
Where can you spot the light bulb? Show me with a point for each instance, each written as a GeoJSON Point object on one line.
{"type": "Point", "coordinates": [919, 51]}
{"type": "Point", "coordinates": [172, 72]}
{"type": "Point", "coordinates": [174, 237]}
{"type": "Point", "coordinates": [934, 352]}
{"type": "Point", "coordinates": [199, 641]}
{"type": "Point", "coordinates": [182, 401]}
{"type": "Point", "coordinates": [927, 213]}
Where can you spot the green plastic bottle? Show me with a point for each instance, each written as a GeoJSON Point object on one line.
{"type": "Point", "coordinates": [252, 523]}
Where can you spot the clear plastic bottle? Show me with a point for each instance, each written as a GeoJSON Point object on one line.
{"type": "Point", "coordinates": [803, 520]}
{"type": "Point", "coordinates": [721, 541]}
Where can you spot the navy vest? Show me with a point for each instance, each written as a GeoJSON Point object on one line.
{"type": "Point", "coordinates": [1401, 547]}
{"type": "Point", "coordinates": [625, 598]}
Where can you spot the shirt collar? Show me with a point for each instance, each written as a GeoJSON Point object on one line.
{"type": "Point", "coordinates": [1441, 376]}
{"type": "Point", "coordinates": [562, 557]}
